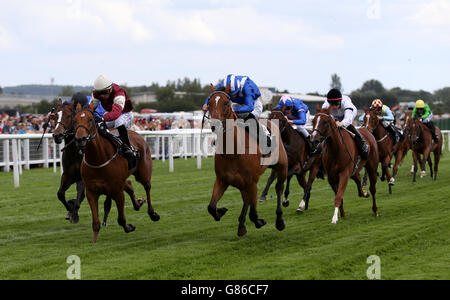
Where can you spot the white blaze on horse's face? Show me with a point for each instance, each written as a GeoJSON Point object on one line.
{"type": "Point", "coordinates": [60, 113]}
{"type": "Point", "coordinates": [315, 127]}
{"type": "Point", "coordinates": [367, 121]}
{"type": "Point", "coordinates": [83, 115]}
{"type": "Point", "coordinates": [217, 100]}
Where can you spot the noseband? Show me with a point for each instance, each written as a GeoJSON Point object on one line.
{"type": "Point", "coordinates": [91, 120]}
{"type": "Point", "coordinates": [323, 137]}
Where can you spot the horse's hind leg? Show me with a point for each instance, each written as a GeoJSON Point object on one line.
{"type": "Point", "coordinates": [249, 196]}
{"type": "Point", "coordinates": [437, 158]}
{"type": "Point", "coordinates": [372, 171]}
{"type": "Point", "coordinates": [269, 183]}
{"type": "Point", "coordinates": [106, 209]}
{"type": "Point", "coordinates": [150, 211]}
{"type": "Point", "coordinates": [130, 191]}
{"type": "Point", "coordinates": [307, 191]}
{"type": "Point", "coordinates": [219, 188]}
{"type": "Point", "coordinates": [357, 179]}
{"type": "Point", "coordinates": [241, 229]}
{"type": "Point", "coordinates": [120, 203]}
{"type": "Point", "coordinates": [63, 187]}
{"type": "Point", "coordinates": [287, 190]}
{"type": "Point", "coordinates": [430, 163]}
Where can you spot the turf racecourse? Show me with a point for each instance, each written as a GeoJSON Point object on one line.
{"type": "Point", "coordinates": [411, 236]}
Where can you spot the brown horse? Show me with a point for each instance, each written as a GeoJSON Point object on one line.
{"type": "Point", "coordinates": [422, 144]}
{"type": "Point", "coordinates": [340, 158]}
{"type": "Point", "coordinates": [403, 146]}
{"type": "Point", "coordinates": [241, 169]}
{"type": "Point", "coordinates": [295, 147]}
{"type": "Point", "coordinates": [104, 172]}
{"type": "Point", "coordinates": [71, 163]}
{"type": "Point", "coordinates": [372, 122]}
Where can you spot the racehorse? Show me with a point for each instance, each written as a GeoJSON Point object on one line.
{"type": "Point", "coordinates": [423, 144]}
{"type": "Point", "coordinates": [241, 169]}
{"type": "Point", "coordinates": [372, 122]}
{"type": "Point", "coordinates": [71, 163]}
{"type": "Point", "coordinates": [403, 146]}
{"type": "Point", "coordinates": [105, 172]}
{"type": "Point", "coordinates": [341, 161]}
{"type": "Point", "coordinates": [297, 154]}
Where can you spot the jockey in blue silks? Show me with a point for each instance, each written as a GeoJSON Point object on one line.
{"type": "Point", "coordinates": [299, 115]}
{"type": "Point", "coordinates": [85, 100]}
{"type": "Point", "coordinates": [246, 98]}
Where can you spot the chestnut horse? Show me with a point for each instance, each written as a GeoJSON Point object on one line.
{"type": "Point", "coordinates": [71, 163]}
{"type": "Point", "coordinates": [372, 122]}
{"type": "Point", "coordinates": [104, 172]}
{"type": "Point", "coordinates": [241, 169]}
{"type": "Point", "coordinates": [423, 144]}
{"type": "Point", "coordinates": [341, 161]}
{"type": "Point", "coordinates": [297, 154]}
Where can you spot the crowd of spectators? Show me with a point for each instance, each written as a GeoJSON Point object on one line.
{"type": "Point", "coordinates": [34, 123]}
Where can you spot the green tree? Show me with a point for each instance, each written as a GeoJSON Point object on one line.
{"type": "Point", "coordinates": [373, 86]}
{"type": "Point", "coordinates": [336, 82]}
{"type": "Point", "coordinates": [67, 91]}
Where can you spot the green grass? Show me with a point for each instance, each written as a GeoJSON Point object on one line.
{"type": "Point", "coordinates": [411, 236]}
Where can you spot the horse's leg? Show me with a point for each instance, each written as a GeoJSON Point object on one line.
{"type": "Point", "coordinates": [430, 164]}
{"type": "Point", "coordinates": [437, 158]}
{"type": "Point", "coordinates": [364, 183]}
{"type": "Point", "coordinates": [128, 188]}
{"type": "Point", "coordinates": [219, 188]}
{"type": "Point", "coordinates": [307, 191]}
{"type": "Point", "coordinates": [106, 209]}
{"type": "Point", "coordinates": [63, 187]}
{"type": "Point", "coordinates": [76, 205]}
{"type": "Point", "coordinates": [120, 203]}
{"type": "Point", "coordinates": [414, 168]}
{"type": "Point", "coordinates": [357, 179]}
{"type": "Point", "coordinates": [269, 183]}
{"type": "Point", "coordinates": [241, 229]}
{"type": "Point", "coordinates": [287, 190]}
{"type": "Point", "coordinates": [398, 161]}
{"type": "Point", "coordinates": [249, 196]}
{"type": "Point", "coordinates": [338, 200]}
{"type": "Point", "coordinates": [383, 171]}
{"type": "Point", "coordinates": [280, 225]}
{"type": "Point", "coordinates": [93, 203]}
{"type": "Point", "coordinates": [423, 162]}
{"type": "Point", "coordinates": [373, 177]}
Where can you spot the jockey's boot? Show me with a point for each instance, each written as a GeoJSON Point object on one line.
{"type": "Point", "coordinates": [390, 128]}
{"type": "Point", "coordinates": [127, 149]}
{"type": "Point", "coordinates": [363, 148]}
{"type": "Point", "coordinates": [430, 126]}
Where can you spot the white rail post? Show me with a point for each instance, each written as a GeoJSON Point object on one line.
{"type": "Point", "coordinates": [199, 151]}
{"type": "Point", "coordinates": [448, 140]}
{"type": "Point", "coordinates": [6, 155]}
{"type": "Point", "coordinates": [61, 146]}
{"type": "Point", "coordinates": [163, 149]}
{"type": "Point", "coordinates": [15, 162]}
{"type": "Point", "coordinates": [185, 146]}
{"type": "Point", "coordinates": [170, 154]}
{"type": "Point", "coordinates": [26, 149]}
{"type": "Point", "coordinates": [157, 144]}
{"type": "Point", "coordinates": [54, 157]}
{"type": "Point", "coordinates": [45, 152]}
{"type": "Point", "coordinates": [19, 155]}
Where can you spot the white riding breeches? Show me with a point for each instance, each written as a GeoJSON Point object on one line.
{"type": "Point", "coordinates": [124, 119]}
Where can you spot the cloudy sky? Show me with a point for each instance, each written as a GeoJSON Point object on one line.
{"type": "Point", "coordinates": [294, 45]}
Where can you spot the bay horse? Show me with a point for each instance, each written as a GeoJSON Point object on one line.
{"type": "Point", "coordinates": [341, 161]}
{"type": "Point", "coordinates": [385, 142]}
{"type": "Point", "coordinates": [422, 144]}
{"type": "Point", "coordinates": [295, 147]}
{"type": "Point", "coordinates": [403, 146]}
{"type": "Point", "coordinates": [71, 163]}
{"type": "Point", "coordinates": [241, 170]}
{"type": "Point", "coordinates": [105, 172]}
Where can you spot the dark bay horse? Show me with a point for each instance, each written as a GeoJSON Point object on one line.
{"type": "Point", "coordinates": [297, 154]}
{"type": "Point", "coordinates": [403, 146]}
{"type": "Point", "coordinates": [423, 145]}
{"type": "Point", "coordinates": [104, 171]}
{"type": "Point", "coordinates": [341, 161]}
{"type": "Point", "coordinates": [71, 163]}
{"type": "Point", "coordinates": [372, 122]}
{"type": "Point", "coordinates": [241, 169]}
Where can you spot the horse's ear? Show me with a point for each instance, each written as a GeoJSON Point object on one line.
{"type": "Point", "coordinates": [228, 89]}
{"type": "Point", "coordinates": [211, 87]}
{"type": "Point", "coordinates": [328, 110]}
{"type": "Point", "coordinates": [78, 107]}
{"type": "Point", "coordinates": [59, 103]}
{"type": "Point", "coordinates": [317, 108]}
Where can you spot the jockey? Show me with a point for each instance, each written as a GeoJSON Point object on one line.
{"type": "Point", "coordinates": [386, 114]}
{"type": "Point", "coordinates": [118, 114]}
{"type": "Point", "coordinates": [85, 100]}
{"type": "Point", "coordinates": [422, 111]}
{"type": "Point", "coordinates": [299, 114]}
{"type": "Point", "coordinates": [344, 112]}
{"type": "Point", "coordinates": [246, 99]}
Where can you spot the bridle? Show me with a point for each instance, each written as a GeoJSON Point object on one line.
{"type": "Point", "coordinates": [92, 133]}
{"type": "Point", "coordinates": [233, 113]}
{"type": "Point", "coordinates": [323, 136]}
{"type": "Point", "coordinates": [372, 130]}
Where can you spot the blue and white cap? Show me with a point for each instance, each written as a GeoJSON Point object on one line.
{"type": "Point", "coordinates": [236, 85]}
{"type": "Point", "coordinates": [287, 100]}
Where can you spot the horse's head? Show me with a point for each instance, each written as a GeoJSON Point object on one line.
{"type": "Point", "coordinates": [84, 125]}
{"type": "Point", "coordinates": [278, 115]}
{"type": "Point", "coordinates": [64, 121]}
{"type": "Point", "coordinates": [415, 127]}
{"type": "Point", "coordinates": [323, 124]}
{"type": "Point", "coordinates": [371, 119]}
{"type": "Point", "coordinates": [219, 105]}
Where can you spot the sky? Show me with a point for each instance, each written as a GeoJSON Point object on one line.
{"type": "Point", "coordinates": [293, 45]}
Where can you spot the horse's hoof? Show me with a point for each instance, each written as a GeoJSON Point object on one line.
{"type": "Point", "coordinates": [104, 224]}
{"type": "Point", "coordinates": [221, 212]}
{"type": "Point", "coordinates": [130, 228]}
{"type": "Point", "coordinates": [365, 194]}
{"type": "Point", "coordinates": [140, 202]}
{"type": "Point", "coordinates": [242, 231]}
{"type": "Point", "coordinates": [260, 223]}
{"type": "Point", "coordinates": [300, 210]}
{"type": "Point", "coordinates": [154, 216]}
{"type": "Point", "coordinates": [382, 178]}
{"type": "Point", "coordinates": [68, 216]}
{"type": "Point", "coordinates": [280, 225]}
{"type": "Point", "coordinates": [286, 203]}
{"type": "Point", "coordinates": [75, 219]}
{"type": "Point", "coordinates": [262, 199]}
{"type": "Point", "coordinates": [423, 174]}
